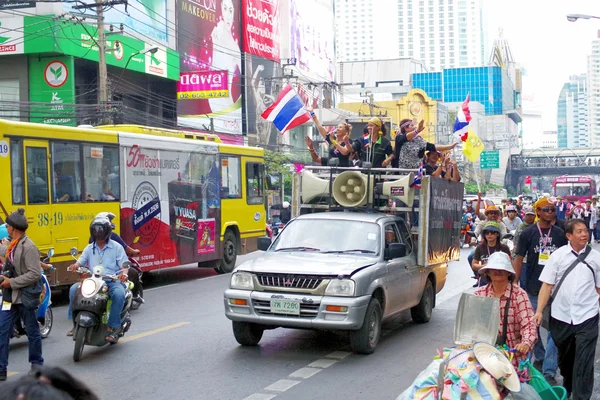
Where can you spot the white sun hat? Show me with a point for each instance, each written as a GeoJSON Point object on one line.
{"type": "Point", "coordinates": [497, 365]}
{"type": "Point", "coordinates": [499, 261]}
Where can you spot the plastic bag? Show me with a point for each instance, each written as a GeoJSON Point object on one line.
{"type": "Point", "coordinates": [527, 393]}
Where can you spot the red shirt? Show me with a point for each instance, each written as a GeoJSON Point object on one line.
{"type": "Point", "coordinates": [521, 325]}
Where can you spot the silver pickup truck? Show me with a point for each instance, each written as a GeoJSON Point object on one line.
{"type": "Point", "coordinates": [338, 271]}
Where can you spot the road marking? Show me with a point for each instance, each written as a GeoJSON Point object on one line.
{"type": "Point", "coordinates": [282, 385]}
{"type": "Point", "coordinates": [338, 355]}
{"type": "Point", "coordinates": [12, 373]}
{"type": "Point", "coordinates": [161, 287]}
{"type": "Point", "coordinates": [305, 372]}
{"type": "Point", "coordinates": [260, 396]}
{"type": "Point", "coordinates": [152, 332]}
{"type": "Point", "coordinates": [322, 363]}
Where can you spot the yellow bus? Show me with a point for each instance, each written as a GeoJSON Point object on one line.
{"type": "Point", "coordinates": [181, 197]}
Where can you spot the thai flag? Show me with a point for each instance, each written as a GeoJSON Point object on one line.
{"type": "Point", "coordinates": [416, 183]}
{"type": "Point", "coordinates": [287, 112]}
{"type": "Point", "coordinates": [463, 117]}
{"type": "Point", "coordinates": [366, 140]}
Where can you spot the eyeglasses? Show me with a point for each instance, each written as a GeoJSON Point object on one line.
{"type": "Point", "coordinates": [493, 213]}
{"type": "Point", "coordinates": [548, 209]}
{"type": "Point", "coordinates": [489, 233]}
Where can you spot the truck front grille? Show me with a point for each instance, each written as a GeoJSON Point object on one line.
{"type": "Point", "coordinates": [290, 281]}
{"type": "Point", "coordinates": [263, 307]}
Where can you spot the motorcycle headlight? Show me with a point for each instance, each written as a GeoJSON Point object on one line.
{"type": "Point", "coordinates": [88, 287]}
{"type": "Point", "coordinates": [340, 287]}
{"type": "Point", "coordinates": [242, 280]}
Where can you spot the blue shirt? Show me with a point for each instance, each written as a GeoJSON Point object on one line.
{"type": "Point", "coordinates": [111, 257]}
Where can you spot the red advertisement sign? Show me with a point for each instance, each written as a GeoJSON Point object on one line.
{"type": "Point", "coordinates": [261, 28]}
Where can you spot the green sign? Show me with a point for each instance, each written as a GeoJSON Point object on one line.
{"type": "Point", "coordinates": [43, 34]}
{"type": "Point", "coordinates": [489, 159]}
{"type": "Point", "coordinates": [51, 81]}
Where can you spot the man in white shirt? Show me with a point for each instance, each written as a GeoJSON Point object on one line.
{"type": "Point", "coordinates": [574, 312]}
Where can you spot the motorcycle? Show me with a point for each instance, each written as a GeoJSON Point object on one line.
{"type": "Point", "coordinates": [91, 307]}
{"type": "Point", "coordinates": [508, 240]}
{"type": "Point", "coordinates": [44, 314]}
{"type": "Point", "coordinates": [274, 228]}
{"type": "Point", "coordinates": [466, 233]}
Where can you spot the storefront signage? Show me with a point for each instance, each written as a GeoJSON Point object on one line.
{"type": "Point", "coordinates": [51, 82]}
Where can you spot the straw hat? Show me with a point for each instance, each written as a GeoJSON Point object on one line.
{"type": "Point", "coordinates": [497, 365]}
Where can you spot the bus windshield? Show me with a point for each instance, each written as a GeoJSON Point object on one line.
{"type": "Point", "coordinates": [573, 189]}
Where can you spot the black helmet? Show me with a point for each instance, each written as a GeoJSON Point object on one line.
{"type": "Point", "coordinates": [100, 229]}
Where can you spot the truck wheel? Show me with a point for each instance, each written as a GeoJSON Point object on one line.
{"type": "Point", "coordinates": [246, 333]}
{"type": "Point", "coordinates": [227, 263]}
{"type": "Point", "coordinates": [365, 339]}
{"type": "Point", "coordinates": [421, 313]}
{"type": "Point", "coordinates": [79, 343]}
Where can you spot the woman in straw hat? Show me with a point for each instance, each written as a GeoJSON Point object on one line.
{"type": "Point", "coordinates": [518, 329]}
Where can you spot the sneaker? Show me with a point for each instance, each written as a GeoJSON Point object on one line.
{"type": "Point", "coordinates": [3, 375]}
{"type": "Point", "coordinates": [551, 380]}
{"type": "Point", "coordinates": [34, 370]}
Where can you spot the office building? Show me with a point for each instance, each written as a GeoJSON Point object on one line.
{"type": "Point", "coordinates": [593, 73]}
{"type": "Point", "coordinates": [572, 114]}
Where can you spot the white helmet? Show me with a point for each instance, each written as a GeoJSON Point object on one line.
{"type": "Point", "coordinates": [107, 215]}
{"type": "Point", "coordinates": [286, 204]}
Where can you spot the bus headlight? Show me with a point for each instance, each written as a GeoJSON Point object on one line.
{"type": "Point", "coordinates": [340, 287]}
{"type": "Point", "coordinates": [88, 287]}
{"type": "Point", "coordinates": [242, 280]}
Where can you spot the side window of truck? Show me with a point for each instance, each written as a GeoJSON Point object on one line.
{"type": "Point", "coordinates": [405, 235]}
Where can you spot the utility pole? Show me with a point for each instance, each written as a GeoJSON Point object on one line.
{"type": "Point", "coordinates": [102, 74]}
{"type": "Point", "coordinates": [371, 98]}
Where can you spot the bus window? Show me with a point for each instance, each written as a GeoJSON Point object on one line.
{"type": "Point", "coordinates": [230, 178]}
{"type": "Point", "coordinates": [254, 179]}
{"type": "Point", "coordinates": [66, 172]}
{"type": "Point", "coordinates": [101, 173]}
{"type": "Point", "coordinates": [16, 167]}
{"type": "Point", "coordinates": [37, 175]}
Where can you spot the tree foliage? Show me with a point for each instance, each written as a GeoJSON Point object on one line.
{"type": "Point", "coordinates": [471, 188]}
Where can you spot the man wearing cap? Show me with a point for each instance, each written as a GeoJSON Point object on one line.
{"type": "Point", "coordinates": [23, 259]}
{"type": "Point", "coordinates": [537, 242]}
{"type": "Point", "coordinates": [511, 221]}
{"type": "Point", "coordinates": [492, 213]}
{"type": "Point", "coordinates": [574, 310]}
{"type": "Point", "coordinates": [529, 215]}
{"type": "Point", "coordinates": [590, 217]}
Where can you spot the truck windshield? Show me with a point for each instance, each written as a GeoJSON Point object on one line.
{"type": "Point", "coordinates": [330, 236]}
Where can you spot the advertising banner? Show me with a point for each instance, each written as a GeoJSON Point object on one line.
{"type": "Point", "coordinates": [312, 37]}
{"type": "Point", "coordinates": [146, 17]}
{"type": "Point", "coordinates": [202, 85]}
{"type": "Point", "coordinates": [172, 203]}
{"type": "Point", "coordinates": [51, 81]}
{"type": "Point", "coordinates": [209, 42]}
{"type": "Point", "coordinates": [445, 220]}
{"type": "Point", "coordinates": [13, 4]}
{"type": "Point", "coordinates": [263, 82]}
{"type": "Point", "coordinates": [261, 22]}
{"type": "Point", "coordinates": [11, 35]}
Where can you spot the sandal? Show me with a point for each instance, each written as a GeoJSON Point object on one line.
{"type": "Point", "coordinates": [113, 336]}
{"type": "Point", "coordinates": [70, 333]}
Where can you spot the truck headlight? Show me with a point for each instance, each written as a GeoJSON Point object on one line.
{"type": "Point", "coordinates": [242, 280]}
{"type": "Point", "coordinates": [340, 287]}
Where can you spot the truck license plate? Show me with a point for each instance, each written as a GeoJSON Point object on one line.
{"type": "Point", "coordinates": [285, 307]}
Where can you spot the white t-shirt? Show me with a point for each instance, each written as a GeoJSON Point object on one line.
{"type": "Point", "coordinates": [577, 299]}
{"type": "Point", "coordinates": [512, 225]}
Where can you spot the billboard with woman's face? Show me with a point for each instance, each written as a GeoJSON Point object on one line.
{"type": "Point", "coordinates": [209, 45]}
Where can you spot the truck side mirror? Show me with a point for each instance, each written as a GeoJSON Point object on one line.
{"type": "Point", "coordinates": [396, 250]}
{"type": "Point", "coordinates": [264, 243]}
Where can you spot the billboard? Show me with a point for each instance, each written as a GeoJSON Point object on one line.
{"type": "Point", "coordinates": [263, 82]}
{"type": "Point", "coordinates": [145, 17]}
{"type": "Point", "coordinates": [209, 46]}
{"type": "Point", "coordinates": [52, 82]}
{"type": "Point", "coordinates": [261, 21]}
{"type": "Point", "coordinates": [312, 37]}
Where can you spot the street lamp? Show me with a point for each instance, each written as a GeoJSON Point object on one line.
{"type": "Point", "coordinates": [575, 17]}
{"type": "Point", "coordinates": [151, 50]}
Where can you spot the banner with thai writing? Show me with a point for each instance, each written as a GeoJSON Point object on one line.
{"type": "Point", "coordinates": [445, 219]}
{"type": "Point", "coordinates": [261, 25]}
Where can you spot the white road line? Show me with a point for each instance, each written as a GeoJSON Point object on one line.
{"type": "Point", "coordinates": [322, 363]}
{"type": "Point", "coordinates": [282, 385]}
{"type": "Point", "coordinates": [260, 396]}
{"type": "Point", "coordinates": [339, 355]}
{"type": "Point", "coordinates": [161, 287]}
{"type": "Point", "coordinates": [305, 372]}
{"type": "Point", "coordinates": [212, 277]}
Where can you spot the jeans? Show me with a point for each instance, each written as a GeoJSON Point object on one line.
{"type": "Point", "coordinates": [7, 321]}
{"type": "Point", "coordinates": [523, 278]}
{"type": "Point", "coordinates": [481, 279]}
{"type": "Point", "coordinates": [116, 292]}
{"type": "Point", "coordinates": [549, 355]}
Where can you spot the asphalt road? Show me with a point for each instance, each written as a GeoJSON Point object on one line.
{"type": "Point", "coordinates": [181, 346]}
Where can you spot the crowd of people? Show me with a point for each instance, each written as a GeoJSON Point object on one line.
{"type": "Point", "coordinates": [406, 150]}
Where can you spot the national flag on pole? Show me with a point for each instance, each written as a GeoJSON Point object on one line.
{"type": "Point", "coordinates": [366, 140]}
{"type": "Point", "coordinates": [463, 117]}
{"type": "Point", "coordinates": [287, 112]}
{"type": "Point", "coordinates": [416, 183]}
{"type": "Point", "coordinates": [473, 147]}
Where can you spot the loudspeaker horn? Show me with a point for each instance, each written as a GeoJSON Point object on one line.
{"type": "Point", "coordinates": [313, 186]}
{"type": "Point", "coordinates": [350, 189]}
{"type": "Point", "coordinates": [399, 189]}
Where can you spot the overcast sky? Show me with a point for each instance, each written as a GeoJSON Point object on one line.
{"type": "Point", "coordinates": [549, 47]}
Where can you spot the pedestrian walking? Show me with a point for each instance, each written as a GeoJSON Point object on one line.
{"type": "Point", "coordinates": [574, 272]}
{"type": "Point", "coordinates": [536, 243]}
{"type": "Point", "coordinates": [23, 263]}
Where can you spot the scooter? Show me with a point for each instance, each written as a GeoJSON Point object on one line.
{"type": "Point", "coordinates": [44, 314]}
{"type": "Point", "coordinates": [466, 233]}
{"type": "Point", "coordinates": [91, 307]}
{"type": "Point", "coordinates": [508, 240]}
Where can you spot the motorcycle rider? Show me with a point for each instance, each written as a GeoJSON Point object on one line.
{"type": "Point", "coordinates": [106, 253]}
{"type": "Point", "coordinates": [285, 215]}
{"type": "Point", "coordinates": [511, 221]}
{"type": "Point", "coordinates": [133, 274]}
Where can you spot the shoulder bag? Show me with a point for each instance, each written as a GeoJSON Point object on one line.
{"type": "Point", "coordinates": [501, 341]}
{"type": "Point", "coordinates": [547, 310]}
{"type": "Point", "coordinates": [30, 295]}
